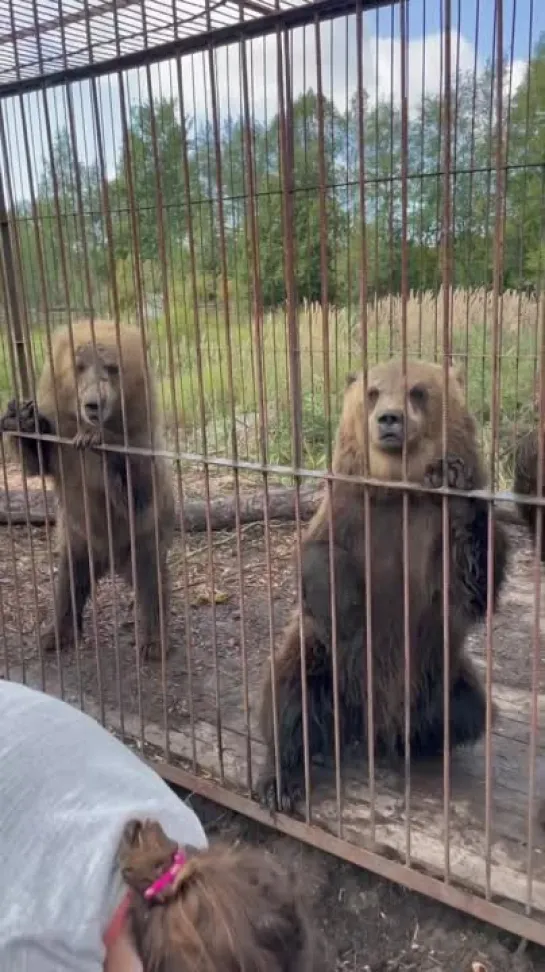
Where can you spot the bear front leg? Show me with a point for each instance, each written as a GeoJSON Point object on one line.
{"type": "Point", "coordinates": [468, 519]}
{"type": "Point", "coordinates": [284, 794]}
{"type": "Point", "coordinates": [349, 592]}
{"type": "Point", "coordinates": [467, 713]}
{"type": "Point", "coordinates": [151, 587]}
{"type": "Point", "coordinates": [525, 483]}
{"type": "Point", "coordinates": [64, 626]}
{"type": "Point", "coordinates": [152, 592]}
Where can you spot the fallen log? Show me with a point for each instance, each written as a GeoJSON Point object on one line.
{"type": "Point", "coordinates": [38, 507]}
{"type": "Point", "coordinates": [41, 506]}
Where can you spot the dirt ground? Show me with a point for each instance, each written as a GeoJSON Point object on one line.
{"type": "Point", "coordinates": [224, 626]}
{"type": "Point", "coordinates": [366, 923]}
{"type": "Point", "coordinates": [223, 621]}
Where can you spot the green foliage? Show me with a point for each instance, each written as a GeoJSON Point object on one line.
{"type": "Point", "coordinates": [167, 176]}
{"type": "Point", "coordinates": [218, 240]}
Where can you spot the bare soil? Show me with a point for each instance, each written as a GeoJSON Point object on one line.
{"type": "Point", "coordinates": [366, 923]}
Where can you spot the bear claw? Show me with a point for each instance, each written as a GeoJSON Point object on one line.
{"type": "Point", "coordinates": [452, 473]}
{"type": "Point", "coordinates": [290, 795]}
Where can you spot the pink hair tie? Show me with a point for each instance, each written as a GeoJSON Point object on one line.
{"type": "Point", "coordinates": [167, 877]}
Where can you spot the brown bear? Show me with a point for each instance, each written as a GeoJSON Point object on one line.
{"type": "Point", "coordinates": [384, 426]}
{"type": "Point", "coordinates": [89, 380]}
{"type": "Point", "coordinates": [526, 484]}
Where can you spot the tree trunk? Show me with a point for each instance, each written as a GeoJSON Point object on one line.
{"type": "Point", "coordinates": [14, 509]}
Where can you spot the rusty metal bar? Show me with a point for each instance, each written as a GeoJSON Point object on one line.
{"type": "Point", "coordinates": [446, 255]}
{"type": "Point", "coordinates": [234, 443]}
{"type": "Point", "coordinates": [536, 651]}
{"type": "Point", "coordinates": [407, 695]}
{"type": "Point", "coordinates": [66, 20]}
{"type": "Point", "coordinates": [33, 391]}
{"type": "Point", "coordinates": [137, 271]}
{"type": "Point", "coordinates": [524, 206]}
{"type": "Point", "coordinates": [116, 315]}
{"type": "Point", "coordinates": [89, 295]}
{"type": "Point", "coordinates": [227, 223]}
{"type": "Point", "coordinates": [367, 689]}
{"type": "Point", "coordinates": [243, 29]}
{"type": "Point", "coordinates": [12, 293]}
{"type": "Point", "coordinates": [517, 924]}
{"type": "Point", "coordinates": [499, 230]}
{"type": "Point", "coordinates": [257, 312]}
{"type": "Point", "coordinates": [274, 469]}
{"type": "Point", "coordinates": [193, 284]}
{"type": "Point", "coordinates": [327, 405]}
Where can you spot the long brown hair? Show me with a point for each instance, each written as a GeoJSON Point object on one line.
{"type": "Point", "coordinates": [228, 909]}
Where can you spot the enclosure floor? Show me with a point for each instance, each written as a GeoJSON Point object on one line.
{"type": "Point", "coordinates": [152, 697]}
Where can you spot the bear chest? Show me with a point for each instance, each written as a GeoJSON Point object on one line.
{"type": "Point", "coordinates": [401, 546]}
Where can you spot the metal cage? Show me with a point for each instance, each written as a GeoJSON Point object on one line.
{"type": "Point", "coordinates": [276, 194]}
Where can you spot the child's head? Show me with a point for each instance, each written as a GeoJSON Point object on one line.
{"type": "Point", "coordinates": [226, 910]}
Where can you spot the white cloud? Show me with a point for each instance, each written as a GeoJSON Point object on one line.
{"type": "Point", "coordinates": [517, 76]}
{"type": "Point", "coordinates": [381, 62]}
{"type": "Point", "coordinates": [381, 68]}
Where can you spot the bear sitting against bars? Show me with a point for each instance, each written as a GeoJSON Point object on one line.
{"type": "Point", "coordinates": [379, 423]}
{"type": "Point", "coordinates": [104, 374]}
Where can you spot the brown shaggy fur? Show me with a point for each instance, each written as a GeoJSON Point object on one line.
{"type": "Point", "coordinates": [526, 484]}
{"type": "Point", "coordinates": [94, 391]}
{"type": "Point", "coordinates": [379, 424]}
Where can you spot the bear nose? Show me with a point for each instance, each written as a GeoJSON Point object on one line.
{"type": "Point", "coordinates": [391, 421]}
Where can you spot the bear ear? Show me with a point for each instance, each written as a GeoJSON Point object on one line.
{"type": "Point", "coordinates": [350, 378]}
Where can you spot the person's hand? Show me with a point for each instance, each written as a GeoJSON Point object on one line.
{"type": "Point", "coordinates": [121, 956]}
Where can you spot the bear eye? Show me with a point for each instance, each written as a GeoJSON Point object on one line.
{"type": "Point", "coordinates": [80, 367]}
{"type": "Point", "coordinates": [418, 395]}
{"type": "Point", "coordinates": [372, 396]}
{"type": "Point", "coordinates": [112, 369]}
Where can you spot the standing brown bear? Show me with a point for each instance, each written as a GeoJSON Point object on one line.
{"type": "Point", "coordinates": [381, 423]}
{"type": "Point", "coordinates": [88, 383]}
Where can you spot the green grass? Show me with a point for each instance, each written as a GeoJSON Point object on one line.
{"type": "Point", "coordinates": [202, 405]}
{"type": "Point", "coordinates": [472, 349]}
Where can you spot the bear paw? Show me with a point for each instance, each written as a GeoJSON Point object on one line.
{"type": "Point", "coordinates": [64, 634]}
{"type": "Point", "coordinates": [452, 473]}
{"type": "Point", "coordinates": [290, 794]}
{"type": "Point", "coordinates": [21, 417]}
{"type": "Point", "coordinates": [87, 439]}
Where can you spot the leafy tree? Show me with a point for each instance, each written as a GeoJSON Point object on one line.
{"type": "Point", "coordinates": [154, 157]}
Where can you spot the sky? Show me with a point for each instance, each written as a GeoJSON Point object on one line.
{"type": "Point", "coordinates": [472, 42]}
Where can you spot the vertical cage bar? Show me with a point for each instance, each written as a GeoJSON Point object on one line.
{"type": "Point", "coordinates": [257, 309]}
{"type": "Point", "coordinates": [495, 405]}
{"type": "Point", "coordinates": [327, 393]}
{"type": "Point", "coordinates": [45, 301]}
{"type": "Point", "coordinates": [368, 688]}
{"type": "Point", "coordinates": [202, 418]}
{"type": "Point", "coordinates": [12, 293]}
{"type": "Point", "coordinates": [446, 283]}
{"type": "Point", "coordinates": [403, 15]}
{"type": "Point", "coordinates": [460, 167]}
{"type": "Point", "coordinates": [32, 390]}
{"type": "Point", "coordinates": [230, 380]}
{"type": "Point", "coordinates": [536, 627]}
